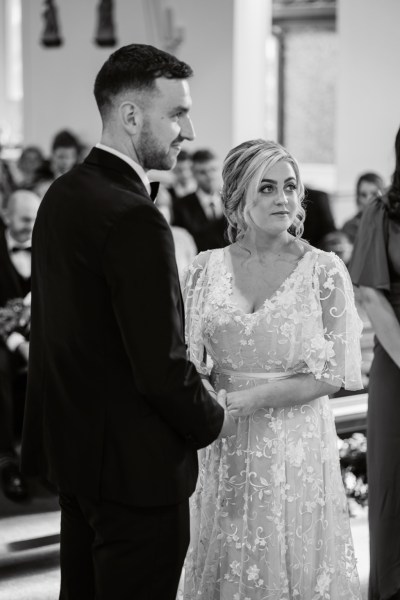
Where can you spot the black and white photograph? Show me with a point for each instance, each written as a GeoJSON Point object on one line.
{"type": "Point", "coordinates": [199, 300]}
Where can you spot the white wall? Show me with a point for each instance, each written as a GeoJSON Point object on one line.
{"type": "Point", "coordinates": [368, 104]}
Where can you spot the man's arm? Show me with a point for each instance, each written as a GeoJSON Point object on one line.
{"type": "Point", "coordinates": [140, 268]}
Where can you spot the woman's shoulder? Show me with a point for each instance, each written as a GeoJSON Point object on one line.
{"type": "Point", "coordinates": [323, 259]}
{"type": "Point", "coordinates": [202, 259]}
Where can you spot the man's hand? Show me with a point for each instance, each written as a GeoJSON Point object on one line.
{"type": "Point", "coordinates": [229, 426]}
{"type": "Point", "coordinates": [242, 403]}
{"type": "Point", "coordinates": [23, 349]}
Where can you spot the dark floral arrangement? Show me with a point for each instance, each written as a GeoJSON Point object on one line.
{"type": "Point", "coordinates": [353, 464]}
{"type": "Point", "coordinates": [14, 316]}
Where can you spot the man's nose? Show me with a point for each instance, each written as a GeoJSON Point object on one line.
{"type": "Point", "coordinates": [187, 131]}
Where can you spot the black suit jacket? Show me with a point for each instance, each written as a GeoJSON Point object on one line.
{"type": "Point", "coordinates": [208, 234]}
{"type": "Point", "coordinates": [319, 218]}
{"type": "Point", "coordinates": [12, 285]}
{"type": "Point", "coordinates": [114, 409]}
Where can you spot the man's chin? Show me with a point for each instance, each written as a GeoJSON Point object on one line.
{"type": "Point", "coordinates": [167, 163]}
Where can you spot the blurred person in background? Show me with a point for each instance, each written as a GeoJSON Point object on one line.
{"type": "Point", "coordinates": [375, 268]}
{"type": "Point", "coordinates": [337, 242]}
{"type": "Point", "coordinates": [43, 181]}
{"type": "Point", "coordinates": [24, 171]}
{"type": "Point", "coordinates": [369, 187]}
{"type": "Point", "coordinates": [65, 153]}
{"type": "Point", "coordinates": [200, 212]}
{"type": "Point", "coordinates": [183, 182]}
{"type": "Point", "coordinates": [185, 247]}
{"type": "Point", "coordinates": [15, 284]}
{"type": "Point", "coordinates": [7, 184]}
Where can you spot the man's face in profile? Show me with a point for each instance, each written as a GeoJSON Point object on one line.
{"type": "Point", "coordinates": [166, 123]}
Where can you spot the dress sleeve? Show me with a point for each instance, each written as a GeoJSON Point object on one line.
{"type": "Point", "coordinates": [369, 264]}
{"type": "Point", "coordinates": [333, 331]}
{"type": "Point", "coordinates": [194, 283]}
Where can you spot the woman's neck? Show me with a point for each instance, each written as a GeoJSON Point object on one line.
{"type": "Point", "coordinates": [263, 244]}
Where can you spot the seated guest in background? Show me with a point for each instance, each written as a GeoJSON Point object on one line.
{"type": "Point", "coordinates": [184, 182]}
{"type": "Point", "coordinates": [201, 212]}
{"type": "Point", "coordinates": [65, 153]}
{"type": "Point", "coordinates": [319, 218]}
{"type": "Point", "coordinates": [43, 181]}
{"type": "Point", "coordinates": [369, 187]}
{"type": "Point", "coordinates": [185, 247]}
{"type": "Point", "coordinates": [24, 171]}
{"type": "Point", "coordinates": [15, 283]}
{"type": "Point", "coordinates": [7, 183]}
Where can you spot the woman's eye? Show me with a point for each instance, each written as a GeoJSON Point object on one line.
{"type": "Point", "coordinates": [292, 187]}
{"type": "Point", "coordinates": [267, 189]}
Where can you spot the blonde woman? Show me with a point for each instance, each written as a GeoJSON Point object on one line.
{"type": "Point", "coordinates": [272, 320]}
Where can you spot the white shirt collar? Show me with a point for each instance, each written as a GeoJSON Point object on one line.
{"type": "Point", "coordinates": [11, 243]}
{"type": "Point", "coordinates": [135, 166]}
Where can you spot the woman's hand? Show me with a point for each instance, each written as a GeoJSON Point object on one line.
{"type": "Point", "coordinates": [243, 403]}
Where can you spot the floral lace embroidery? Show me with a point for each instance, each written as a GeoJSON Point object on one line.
{"type": "Point", "coordinates": [269, 515]}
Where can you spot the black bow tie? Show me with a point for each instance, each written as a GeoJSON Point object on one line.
{"type": "Point", "coordinates": [154, 185]}
{"type": "Point", "coordinates": [21, 249]}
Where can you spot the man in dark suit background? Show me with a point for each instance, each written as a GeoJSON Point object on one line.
{"type": "Point", "coordinates": [319, 219]}
{"type": "Point", "coordinates": [115, 412]}
{"type": "Point", "coordinates": [200, 212]}
{"type": "Point", "coordinates": [15, 283]}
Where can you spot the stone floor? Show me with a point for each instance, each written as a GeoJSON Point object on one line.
{"type": "Point", "coordinates": [32, 573]}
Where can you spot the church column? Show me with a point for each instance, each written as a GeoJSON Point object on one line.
{"type": "Point", "coordinates": [251, 28]}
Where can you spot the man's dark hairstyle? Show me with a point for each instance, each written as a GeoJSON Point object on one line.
{"type": "Point", "coordinates": [201, 156]}
{"type": "Point", "coordinates": [136, 66]}
{"type": "Point", "coordinates": [65, 139]}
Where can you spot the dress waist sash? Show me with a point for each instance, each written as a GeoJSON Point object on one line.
{"type": "Point", "coordinates": [249, 375]}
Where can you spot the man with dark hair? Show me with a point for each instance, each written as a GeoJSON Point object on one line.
{"type": "Point", "coordinates": [65, 152]}
{"type": "Point", "coordinates": [115, 412]}
{"type": "Point", "coordinates": [200, 212]}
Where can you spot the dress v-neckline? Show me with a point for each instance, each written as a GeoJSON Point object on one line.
{"type": "Point", "coordinates": [271, 298]}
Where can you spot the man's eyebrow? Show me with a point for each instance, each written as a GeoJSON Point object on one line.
{"type": "Point", "coordinates": [184, 109]}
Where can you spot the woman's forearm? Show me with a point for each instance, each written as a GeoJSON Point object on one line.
{"type": "Point", "coordinates": [298, 389]}
{"type": "Point", "coordinates": [384, 321]}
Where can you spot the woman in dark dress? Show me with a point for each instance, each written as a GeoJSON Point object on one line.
{"type": "Point", "coordinates": [375, 268]}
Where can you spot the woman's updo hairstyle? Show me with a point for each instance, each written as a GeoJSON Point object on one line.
{"type": "Point", "coordinates": [243, 168]}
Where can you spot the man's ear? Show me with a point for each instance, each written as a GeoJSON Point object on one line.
{"type": "Point", "coordinates": [131, 116]}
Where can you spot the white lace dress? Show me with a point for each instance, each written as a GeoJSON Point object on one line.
{"type": "Point", "coordinates": [269, 517]}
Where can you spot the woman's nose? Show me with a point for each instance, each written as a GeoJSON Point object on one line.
{"type": "Point", "coordinates": [281, 197]}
